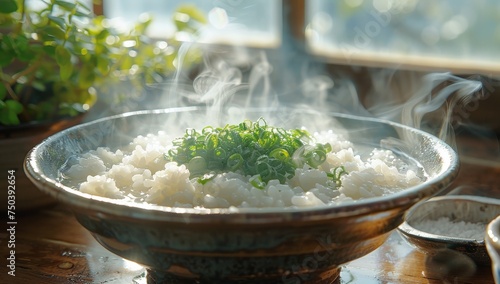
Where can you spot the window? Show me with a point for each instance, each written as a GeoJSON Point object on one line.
{"type": "Point", "coordinates": [456, 35]}
{"type": "Point", "coordinates": [243, 22]}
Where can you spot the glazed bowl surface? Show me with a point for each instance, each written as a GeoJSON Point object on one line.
{"type": "Point", "coordinates": [272, 245]}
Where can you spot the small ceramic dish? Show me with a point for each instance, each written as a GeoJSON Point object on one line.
{"type": "Point", "coordinates": [466, 208]}
{"type": "Point", "coordinates": [492, 239]}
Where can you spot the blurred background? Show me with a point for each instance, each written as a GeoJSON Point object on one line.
{"type": "Point", "coordinates": [360, 43]}
{"type": "Point", "coordinates": [446, 35]}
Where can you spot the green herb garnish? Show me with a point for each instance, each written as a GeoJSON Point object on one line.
{"type": "Point", "coordinates": [250, 148]}
{"type": "Point", "coordinates": [335, 175]}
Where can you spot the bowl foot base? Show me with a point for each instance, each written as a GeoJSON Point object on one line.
{"type": "Point", "coordinates": [330, 276]}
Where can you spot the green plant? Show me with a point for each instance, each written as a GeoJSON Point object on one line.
{"type": "Point", "coordinates": [54, 58]}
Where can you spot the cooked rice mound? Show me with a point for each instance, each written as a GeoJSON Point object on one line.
{"type": "Point", "coordinates": [140, 173]}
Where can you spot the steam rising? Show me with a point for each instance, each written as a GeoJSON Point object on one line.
{"type": "Point", "coordinates": [232, 79]}
{"type": "Point", "coordinates": [270, 79]}
{"type": "Point", "coordinates": [434, 95]}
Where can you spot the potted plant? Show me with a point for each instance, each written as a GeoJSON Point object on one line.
{"type": "Point", "coordinates": [57, 57]}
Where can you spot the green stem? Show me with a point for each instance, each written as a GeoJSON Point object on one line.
{"type": "Point", "coordinates": [22, 10]}
{"type": "Point", "coordinates": [26, 71]}
{"type": "Point", "coordinates": [26, 96]}
{"type": "Point", "coordinates": [11, 92]}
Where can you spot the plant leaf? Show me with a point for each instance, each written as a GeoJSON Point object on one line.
{"type": "Point", "coordinates": [14, 106]}
{"type": "Point", "coordinates": [68, 6]}
{"type": "Point", "coordinates": [52, 31]}
{"type": "Point", "coordinates": [87, 76]}
{"type": "Point", "coordinates": [83, 14]}
{"type": "Point", "coordinates": [8, 6]}
{"type": "Point", "coordinates": [58, 21]}
{"type": "Point", "coordinates": [10, 110]}
{"type": "Point", "coordinates": [65, 71]}
{"type": "Point", "coordinates": [85, 7]}
{"type": "Point", "coordinates": [63, 57]}
{"type": "Point", "coordinates": [14, 47]}
{"type": "Point", "coordinates": [50, 50]}
{"type": "Point", "coordinates": [102, 64]}
{"type": "Point", "coordinates": [5, 58]}
{"type": "Point", "coordinates": [21, 47]}
{"type": "Point", "coordinates": [3, 92]}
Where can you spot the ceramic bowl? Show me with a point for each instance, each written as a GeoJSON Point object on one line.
{"type": "Point", "coordinates": [492, 239]}
{"type": "Point", "coordinates": [15, 142]}
{"type": "Point", "coordinates": [223, 246]}
{"type": "Point", "coordinates": [467, 208]}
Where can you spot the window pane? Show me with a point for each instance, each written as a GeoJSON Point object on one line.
{"type": "Point", "coordinates": [448, 34]}
{"type": "Point", "coordinates": [246, 22]}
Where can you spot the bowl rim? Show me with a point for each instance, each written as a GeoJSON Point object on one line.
{"type": "Point", "coordinates": [491, 236]}
{"type": "Point", "coordinates": [413, 233]}
{"type": "Point", "coordinates": [87, 202]}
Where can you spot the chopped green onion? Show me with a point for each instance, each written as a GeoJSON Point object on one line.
{"type": "Point", "coordinates": [335, 175]}
{"type": "Point", "coordinates": [235, 162]}
{"type": "Point", "coordinates": [250, 148]}
{"type": "Point", "coordinates": [280, 154]}
{"type": "Point", "coordinates": [256, 181]}
{"type": "Point", "coordinates": [206, 178]}
{"type": "Point", "coordinates": [197, 166]}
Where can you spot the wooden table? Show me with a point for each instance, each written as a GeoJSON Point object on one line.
{"type": "Point", "coordinates": [52, 247]}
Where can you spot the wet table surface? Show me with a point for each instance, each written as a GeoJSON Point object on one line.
{"type": "Point", "coordinates": [52, 247]}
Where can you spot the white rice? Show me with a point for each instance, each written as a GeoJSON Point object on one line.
{"type": "Point", "coordinates": [444, 226]}
{"type": "Point", "coordinates": [140, 173]}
